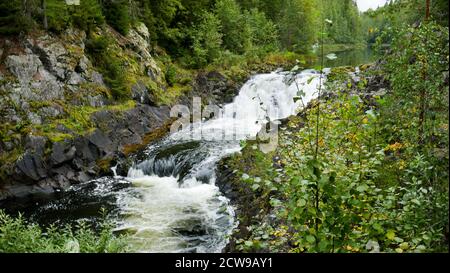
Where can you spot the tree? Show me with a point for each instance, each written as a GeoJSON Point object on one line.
{"type": "Point", "coordinates": [44, 11]}
{"type": "Point", "coordinates": [13, 17]}
{"type": "Point", "coordinates": [236, 32]}
{"type": "Point", "coordinates": [297, 25]}
{"type": "Point", "coordinates": [117, 15]}
{"type": "Point", "coordinates": [264, 33]}
{"type": "Point", "coordinates": [207, 40]}
{"type": "Point", "coordinates": [87, 15]}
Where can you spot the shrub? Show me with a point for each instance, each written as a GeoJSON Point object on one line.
{"type": "Point", "coordinates": [207, 40]}
{"type": "Point", "coordinates": [117, 15]}
{"type": "Point", "coordinates": [19, 236]}
{"type": "Point", "coordinates": [109, 65]}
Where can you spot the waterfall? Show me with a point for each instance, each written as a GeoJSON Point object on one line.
{"type": "Point", "coordinates": [174, 204]}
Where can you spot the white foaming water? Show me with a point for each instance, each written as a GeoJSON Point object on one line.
{"type": "Point", "coordinates": [183, 211]}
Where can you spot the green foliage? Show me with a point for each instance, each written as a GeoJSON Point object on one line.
{"type": "Point", "coordinates": [396, 14]}
{"type": "Point", "coordinates": [360, 194]}
{"type": "Point", "coordinates": [347, 24]}
{"type": "Point", "coordinates": [87, 15]}
{"type": "Point", "coordinates": [415, 67]}
{"type": "Point", "coordinates": [19, 236]}
{"type": "Point", "coordinates": [58, 15]}
{"type": "Point", "coordinates": [264, 33]}
{"type": "Point", "coordinates": [12, 19]}
{"type": "Point", "coordinates": [236, 33]}
{"type": "Point", "coordinates": [117, 15]}
{"type": "Point", "coordinates": [297, 26]}
{"type": "Point", "coordinates": [171, 75]}
{"type": "Point", "coordinates": [207, 40]}
{"type": "Point", "coordinates": [110, 65]}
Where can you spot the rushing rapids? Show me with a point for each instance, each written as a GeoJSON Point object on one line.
{"type": "Point", "coordinates": [169, 202]}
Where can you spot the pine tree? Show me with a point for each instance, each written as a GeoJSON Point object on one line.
{"type": "Point", "coordinates": [117, 13]}
{"type": "Point", "coordinates": [13, 17]}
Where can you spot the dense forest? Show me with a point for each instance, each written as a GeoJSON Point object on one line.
{"type": "Point", "coordinates": [197, 32]}
{"type": "Point", "coordinates": [357, 170]}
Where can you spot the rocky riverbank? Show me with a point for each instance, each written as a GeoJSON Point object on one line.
{"type": "Point", "coordinates": [256, 203]}
{"type": "Point", "coordinates": [60, 124]}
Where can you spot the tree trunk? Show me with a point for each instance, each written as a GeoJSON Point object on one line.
{"type": "Point", "coordinates": [427, 12]}
{"type": "Point", "coordinates": [44, 11]}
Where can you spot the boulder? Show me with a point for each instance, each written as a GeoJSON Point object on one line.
{"type": "Point", "coordinates": [97, 78]}
{"type": "Point", "coordinates": [140, 93]}
{"type": "Point", "coordinates": [35, 144]}
{"type": "Point", "coordinates": [32, 166]}
{"type": "Point", "coordinates": [24, 67]}
{"type": "Point", "coordinates": [52, 54]}
{"type": "Point", "coordinates": [47, 87]}
{"type": "Point", "coordinates": [83, 65]}
{"type": "Point", "coordinates": [75, 79]}
{"type": "Point", "coordinates": [62, 152]}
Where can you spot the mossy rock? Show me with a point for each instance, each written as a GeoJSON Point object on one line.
{"type": "Point", "coordinates": [365, 67]}
{"type": "Point", "coordinates": [340, 73]}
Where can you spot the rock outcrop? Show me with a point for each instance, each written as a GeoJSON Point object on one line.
{"type": "Point", "coordinates": [59, 125]}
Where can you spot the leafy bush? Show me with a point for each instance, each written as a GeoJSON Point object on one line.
{"type": "Point", "coordinates": [19, 236]}
{"type": "Point", "coordinates": [117, 15]}
{"type": "Point", "coordinates": [207, 40]}
{"type": "Point", "coordinates": [236, 31]}
{"type": "Point", "coordinates": [58, 16]}
{"type": "Point", "coordinates": [368, 189]}
{"type": "Point", "coordinates": [87, 15]}
{"type": "Point", "coordinates": [171, 75]}
{"type": "Point", "coordinates": [109, 65]}
{"type": "Point", "coordinates": [12, 19]}
{"type": "Point", "coordinates": [264, 33]}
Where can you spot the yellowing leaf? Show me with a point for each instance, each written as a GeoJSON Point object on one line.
{"type": "Point", "coordinates": [390, 234]}
{"type": "Point", "coordinates": [399, 250]}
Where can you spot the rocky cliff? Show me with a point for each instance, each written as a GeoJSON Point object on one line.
{"type": "Point", "coordinates": [60, 124]}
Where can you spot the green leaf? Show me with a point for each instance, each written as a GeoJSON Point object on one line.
{"type": "Point", "coordinates": [390, 234]}
{"type": "Point", "coordinates": [362, 188]}
{"type": "Point", "coordinates": [399, 250]}
{"type": "Point", "coordinates": [310, 239]}
{"type": "Point", "coordinates": [301, 202]}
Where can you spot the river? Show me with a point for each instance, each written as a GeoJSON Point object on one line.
{"type": "Point", "coordinates": [169, 201]}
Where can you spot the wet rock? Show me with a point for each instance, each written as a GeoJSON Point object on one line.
{"type": "Point", "coordinates": [96, 101]}
{"type": "Point", "coordinates": [102, 142]}
{"type": "Point", "coordinates": [214, 88]}
{"type": "Point", "coordinates": [35, 144]}
{"type": "Point", "coordinates": [19, 191]}
{"type": "Point", "coordinates": [8, 146]}
{"type": "Point", "coordinates": [83, 177]}
{"type": "Point", "coordinates": [34, 118]}
{"type": "Point", "coordinates": [62, 152]}
{"type": "Point", "coordinates": [46, 87]}
{"type": "Point", "coordinates": [86, 151]}
{"type": "Point", "coordinates": [32, 166]}
{"type": "Point", "coordinates": [50, 112]}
